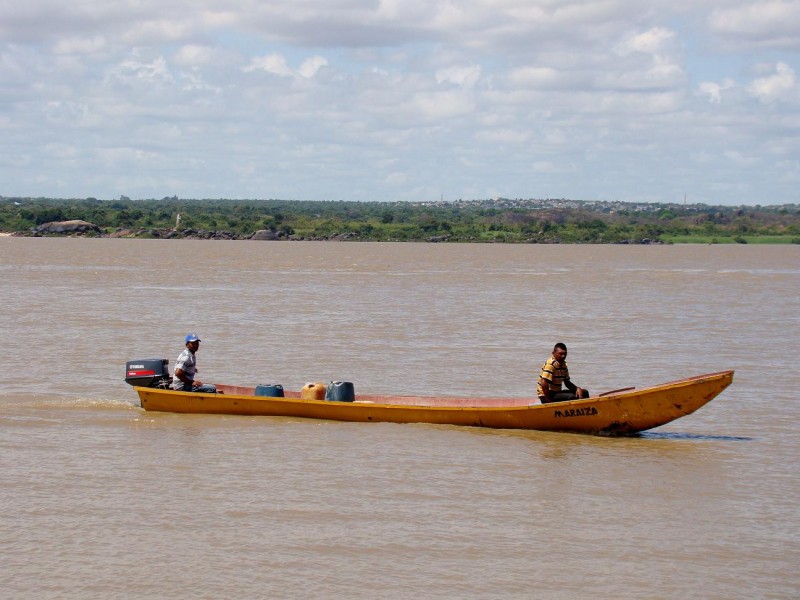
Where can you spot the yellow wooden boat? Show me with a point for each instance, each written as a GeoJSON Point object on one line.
{"type": "Point", "coordinates": [619, 412]}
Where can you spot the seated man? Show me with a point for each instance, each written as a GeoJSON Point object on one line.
{"type": "Point", "coordinates": [555, 373]}
{"type": "Point", "coordinates": [186, 368]}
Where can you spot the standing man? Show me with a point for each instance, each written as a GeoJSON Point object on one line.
{"type": "Point", "coordinates": [555, 373]}
{"type": "Point", "coordinates": [185, 369]}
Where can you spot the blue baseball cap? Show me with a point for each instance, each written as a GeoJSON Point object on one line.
{"type": "Point", "coordinates": [192, 337]}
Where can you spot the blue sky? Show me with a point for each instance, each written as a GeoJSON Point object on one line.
{"type": "Point", "coordinates": [402, 99]}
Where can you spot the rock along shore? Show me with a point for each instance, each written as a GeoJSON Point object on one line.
{"type": "Point", "coordinates": [77, 228]}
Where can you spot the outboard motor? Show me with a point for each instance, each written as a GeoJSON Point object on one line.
{"type": "Point", "coordinates": [148, 372]}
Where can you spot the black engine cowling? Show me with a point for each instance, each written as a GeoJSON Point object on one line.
{"type": "Point", "coordinates": [148, 372]}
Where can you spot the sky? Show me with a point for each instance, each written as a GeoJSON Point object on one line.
{"type": "Point", "coordinates": [402, 100]}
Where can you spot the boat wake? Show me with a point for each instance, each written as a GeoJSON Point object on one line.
{"type": "Point", "coordinates": [671, 435]}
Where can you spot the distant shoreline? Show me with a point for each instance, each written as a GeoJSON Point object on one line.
{"type": "Point", "coordinates": [754, 240]}
{"type": "Point", "coordinates": [498, 221]}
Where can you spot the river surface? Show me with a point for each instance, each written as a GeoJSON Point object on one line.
{"type": "Point", "coordinates": [99, 499]}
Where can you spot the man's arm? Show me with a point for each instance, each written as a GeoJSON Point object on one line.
{"type": "Point", "coordinates": [573, 388]}
{"type": "Point", "coordinates": [179, 373]}
{"type": "Point", "coordinates": [545, 386]}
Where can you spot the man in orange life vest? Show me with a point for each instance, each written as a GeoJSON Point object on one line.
{"type": "Point", "coordinates": [555, 373]}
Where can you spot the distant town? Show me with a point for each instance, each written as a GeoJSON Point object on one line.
{"type": "Point", "coordinates": [604, 206]}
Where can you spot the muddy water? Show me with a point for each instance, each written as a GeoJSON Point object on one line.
{"type": "Point", "coordinates": [99, 499]}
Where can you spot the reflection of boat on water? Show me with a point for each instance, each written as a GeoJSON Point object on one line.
{"type": "Point", "coordinates": [619, 412]}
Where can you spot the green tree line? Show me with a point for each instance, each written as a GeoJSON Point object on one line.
{"type": "Point", "coordinates": [499, 220]}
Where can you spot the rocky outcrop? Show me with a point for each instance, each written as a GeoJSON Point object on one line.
{"type": "Point", "coordinates": [169, 234]}
{"type": "Point", "coordinates": [76, 227]}
{"type": "Point", "coordinates": [201, 234]}
{"type": "Point", "coordinates": [265, 234]}
{"type": "Point", "coordinates": [79, 228]}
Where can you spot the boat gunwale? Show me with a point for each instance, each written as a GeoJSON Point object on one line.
{"type": "Point", "coordinates": [368, 400]}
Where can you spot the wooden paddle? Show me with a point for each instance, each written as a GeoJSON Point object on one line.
{"type": "Point", "coordinates": [616, 391]}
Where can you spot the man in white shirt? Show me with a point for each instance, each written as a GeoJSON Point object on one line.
{"type": "Point", "coordinates": [186, 369]}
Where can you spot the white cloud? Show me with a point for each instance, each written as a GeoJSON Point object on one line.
{"type": "Point", "coordinates": [659, 74]}
{"type": "Point", "coordinates": [277, 65]}
{"type": "Point", "coordinates": [128, 156]}
{"type": "Point", "coordinates": [134, 68]}
{"type": "Point", "coordinates": [537, 77]}
{"type": "Point", "coordinates": [396, 178]}
{"type": "Point", "coordinates": [649, 60]}
{"type": "Point", "coordinates": [272, 63]}
{"type": "Point", "coordinates": [503, 136]}
{"type": "Point", "coordinates": [773, 23]}
{"type": "Point", "coordinates": [195, 55]}
{"type": "Point", "coordinates": [740, 160]}
{"type": "Point", "coordinates": [543, 166]}
{"type": "Point", "coordinates": [193, 82]}
{"type": "Point", "coordinates": [311, 65]}
{"type": "Point", "coordinates": [437, 106]}
{"type": "Point", "coordinates": [163, 30]}
{"type": "Point", "coordinates": [80, 45]}
{"type": "Point", "coordinates": [67, 112]}
{"type": "Point", "coordinates": [780, 85]}
{"type": "Point", "coordinates": [652, 41]}
{"type": "Point", "coordinates": [465, 77]}
{"type": "Point", "coordinates": [62, 151]}
{"type": "Point", "coordinates": [714, 90]}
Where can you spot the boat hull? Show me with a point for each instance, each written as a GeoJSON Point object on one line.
{"type": "Point", "coordinates": [622, 413]}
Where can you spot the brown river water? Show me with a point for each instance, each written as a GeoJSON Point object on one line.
{"type": "Point", "coordinates": [99, 499]}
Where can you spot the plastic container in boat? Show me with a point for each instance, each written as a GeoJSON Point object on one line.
{"type": "Point", "coordinates": [340, 391]}
{"type": "Point", "coordinates": [313, 391]}
{"type": "Point", "coordinates": [273, 390]}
